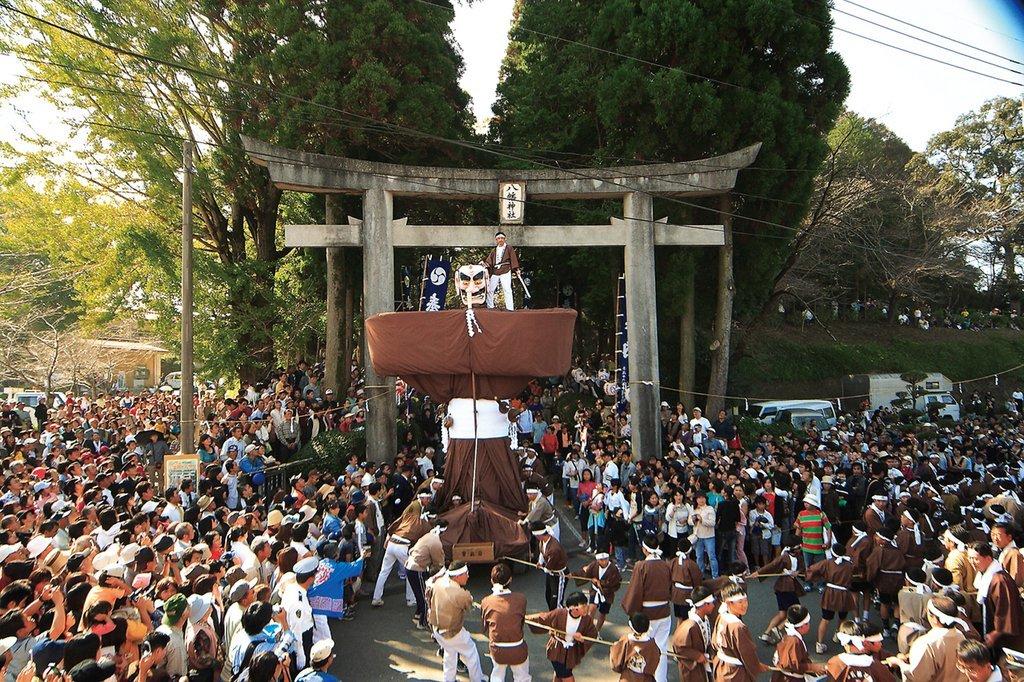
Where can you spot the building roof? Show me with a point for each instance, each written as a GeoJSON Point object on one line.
{"type": "Point", "coordinates": [127, 345]}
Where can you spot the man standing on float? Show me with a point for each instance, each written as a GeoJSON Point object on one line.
{"type": "Point", "coordinates": [501, 262]}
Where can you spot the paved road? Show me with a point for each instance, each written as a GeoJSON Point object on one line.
{"type": "Point", "coordinates": [382, 644]}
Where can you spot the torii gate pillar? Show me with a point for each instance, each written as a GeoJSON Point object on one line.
{"type": "Point", "coordinates": [642, 318]}
{"type": "Point", "coordinates": [378, 297]}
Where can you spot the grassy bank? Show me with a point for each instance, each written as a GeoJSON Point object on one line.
{"type": "Point", "coordinates": [790, 362]}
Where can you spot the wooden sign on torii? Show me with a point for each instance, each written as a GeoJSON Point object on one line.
{"type": "Point", "coordinates": [378, 233]}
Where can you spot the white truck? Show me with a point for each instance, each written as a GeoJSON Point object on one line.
{"type": "Point", "coordinates": [886, 390]}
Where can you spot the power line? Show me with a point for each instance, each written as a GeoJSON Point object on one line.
{"type": "Point", "coordinates": [394, 127]}
{"type": "Point", "coordinates": [931, 43]}
{"type": "Point", "coordinates": [939, 35]}
{"type": "Point", "coordinates": [929, 58]}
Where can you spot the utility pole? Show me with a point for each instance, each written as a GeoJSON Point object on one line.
{"type": "Point", "coordinates": [187, 422]}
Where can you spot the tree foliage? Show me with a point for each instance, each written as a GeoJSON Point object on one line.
{"type": "Point", "coordinates": [665, 80]}
{"type": "Point", "coordinates": [336, 77]}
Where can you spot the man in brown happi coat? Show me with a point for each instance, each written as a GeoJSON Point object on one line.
{"type": "Point", "coordinates": [1010, 557]}
{"type": "Point", "coordinates": [736, 660]}
{"type": "Point", "coordinates": [686, 576]}
{"type": "Point", "coordinates": [501, 262]}
{"type": "Point", "coordinates": [551, 559]}
{"type": "Point", "coordinates": [885, 571]}
{"type": "Point", "coordinates": [605, 580]}
{"type": "Point", "coordinates": [791, 657]}
{"type": "Point", "coordinates": [635, 656]}
{"type": "Point", "coordinates": [569, 626]}
{"type": "Point", "coordinates": [691, 642]}
{"type": "Point", "coordinates": [648, 593]}
{"type": "Point", "coordinates": [503, 613]}
{"type": "Point", "coordinates": [1002, 612]}
{"type": "Point", "coordinates": [837, 599]}
{"type": "Point", "coordinates": [932, 655]}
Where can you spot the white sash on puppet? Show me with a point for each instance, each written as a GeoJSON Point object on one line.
{"type": "Point", "coordinates": [490, 421]}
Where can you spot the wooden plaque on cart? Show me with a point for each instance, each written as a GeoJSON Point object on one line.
{"type": "Point", "coordinates": [474, 552]}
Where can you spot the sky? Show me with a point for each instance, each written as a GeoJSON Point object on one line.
{"type": "Point", "coordinates": [915, 97]}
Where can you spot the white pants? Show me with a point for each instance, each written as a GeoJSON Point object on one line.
{"type": "Point", "coordinates": [660, 631]}
{"type": "Point", "coordinates": [394, 553]}
{"type": "Point", "coordinates": [506, 288]}
{"type": "Point", "coordinates": [520, 673]}
{"type": "Point", "coordinates": [460, 645]}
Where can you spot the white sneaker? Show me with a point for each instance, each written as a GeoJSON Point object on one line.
{"type": "Point", "coordinates": [377, 602]}
{"type": "Point", "coordinates": [820, 647]}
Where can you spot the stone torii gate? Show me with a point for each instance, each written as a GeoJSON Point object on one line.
{"type": "Point", "coordinates": [378, 233]}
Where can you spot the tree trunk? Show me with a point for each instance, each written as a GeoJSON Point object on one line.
{"type": "Point", "coordinates": [893, 298]}
{"type": "Point", "coordinates": [687, 332]}
{"type": "Point", "coordinates": [1010, 270]}
{"type": "Point", "coordinates": [334, 364]}
{"type": "Point", "coordinates": [722, 332]}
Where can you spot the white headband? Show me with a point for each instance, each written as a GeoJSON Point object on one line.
{"type": "Point", "coordinates": [532, 491]}
{"type": "Point", "coordinates": [735, 597]}
{"type": "Point", "coordinates": [880, 498]}
{"type": "Point", "coordinates": [856, 641]}
{"type": "Point", "coordinates": [805, 621]}
{"type": "Point", "coordinates": [601, 555]}
{"type": "Point", "coordinates": [653, 551]}
{"type": "Point", "coordinates": [945, 618]}
{"type": "Point", "coordinates": [462, 570]}
{"type": "Point", "coordinates": [710, 599]}
{"type": "Point", "coordinates": [543, 531]}
{"type": "Point", "coordinates": [873, 638]}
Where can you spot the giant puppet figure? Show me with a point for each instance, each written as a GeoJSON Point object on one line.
{"type": "Point", "coordinates": [473, 359]}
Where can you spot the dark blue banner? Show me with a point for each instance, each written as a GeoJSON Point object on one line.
{"type": "Point", "coordinates": [621, 347]}
{"type": "Point", "coordinates": [435, 283]}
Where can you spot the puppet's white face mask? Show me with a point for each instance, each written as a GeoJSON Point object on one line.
{"type": "Point", "coordinates": [471, 282]}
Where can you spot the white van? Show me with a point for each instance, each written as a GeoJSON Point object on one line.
{"type": "Point", "coordinates": [768, 411]}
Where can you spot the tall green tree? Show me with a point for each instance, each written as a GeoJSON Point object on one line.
{"type": "Point", "coordinates": [335, 77]}
{"type": "Point", "coordinates": [666, 80]}
{"type": "Point", "coordinates": [985, 152]}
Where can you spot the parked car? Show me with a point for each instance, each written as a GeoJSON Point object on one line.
{"type": "Point", "coordinates": [768, 412]}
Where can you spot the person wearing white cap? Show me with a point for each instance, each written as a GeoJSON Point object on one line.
{"type": "Point", "coordinates": [449, 602]}
{"type": "Point", "coordinates": [321, 655]}
{"type": "Point", "coordinates": [649, 593]}
{"type": "Point", "coordinates": [691, 642]}
{"type": "Point", "coordinates": [200, 636]}
{"type": "Point", "coordinates": [295, 604]}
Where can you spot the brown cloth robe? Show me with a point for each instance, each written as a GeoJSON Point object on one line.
{"type": "Point", "coordinates": [780, 564]}
{"type": "Point", "coordinates": [841, 574]}
{"type": "Point", "coordinates": [635, 661]}
{"type": "Point", "coordinates": [651, 581]}
{"type": "Point", "coordinates": [1004, 614]}
{"type": "Point", "coordinates": [684, 572]}
{"type": "Point", "coordinates": [839, 669]}
{"type": "Point", "coordinates": [503, 616]}
{"type": "Point", "coordinates": [609, 584]}
{"type": "Point", "coordinates": [570, 657]}
{"type": "Point", "coordinates": [555, 558]}
{"type": "Point", "coordinates": [881, 564]}
{"type": "Point", "coordinates": [913, 553]}
{"type": "Point", "coordinates": [688, 644]}
{"type": "Point", "coordinates": [934, 656]}
{"type": "Point", "coordinates": [734, 640]}
{"type": "Point", "coordinates": [434, 353]}
{"type": "Point", "coordinates": [509, 261]}
{"type": "Point", "coordinates": [872, 520]}
{"type": "Point", "coordinates": [791, 655]}
{"type": "Point", "coordinates": [1013, 563]}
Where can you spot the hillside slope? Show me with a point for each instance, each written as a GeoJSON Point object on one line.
{"type": "Point", "coordinates": [787, 362]}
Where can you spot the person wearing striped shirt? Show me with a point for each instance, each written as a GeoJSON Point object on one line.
{"type": "Point", "coordinates": [814, 530]}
